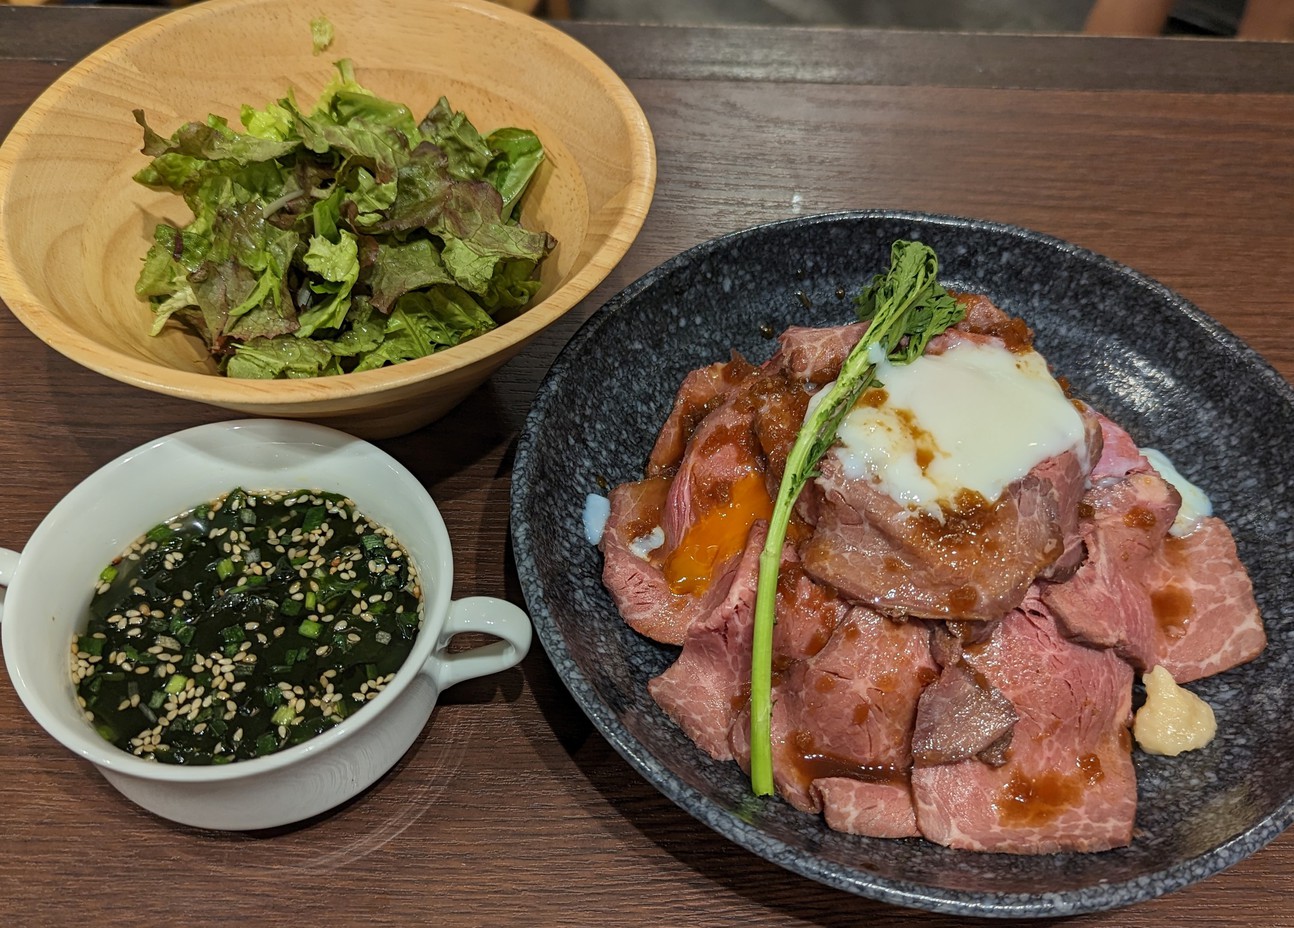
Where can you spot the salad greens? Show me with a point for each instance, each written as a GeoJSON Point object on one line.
{"type": "Point", "coordinates": [906, 307]}
{"type": "Point", "coordinates": [343, 238]}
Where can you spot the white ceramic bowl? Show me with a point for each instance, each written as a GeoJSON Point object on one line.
{"type": "Point", "coordinates": [51, 583]}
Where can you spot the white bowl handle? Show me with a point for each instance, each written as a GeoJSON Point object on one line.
{"type": "Point", "coordinates": [479, 614]}
{"type": "Point", "coordinates": [8, 567]}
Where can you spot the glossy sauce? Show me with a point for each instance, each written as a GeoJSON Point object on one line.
{"type": "Point", "coordinates": [718, 534]}
{"type": "Point", "coordinates": [1032, 802]}
{"type": "Point", "coordinates": [808, 763]}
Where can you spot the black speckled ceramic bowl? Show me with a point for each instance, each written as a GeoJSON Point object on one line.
{"type": "Point", "coordinates": [1168, 373]}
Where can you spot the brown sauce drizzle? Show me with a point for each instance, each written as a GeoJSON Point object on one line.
{"type": "Point", "coordinates": [818, 603]}
{"type": "Point", "coordinates": [1172, 606]}
{"type": "Point", "coordinates": [1015, 335]}
{"type": "Point", "coordinates": [922, 440]}
{"type": "Point", "coordinates": [962, 600]}
{"type": "Point", "coordinates": [966, 524]}
{"type": "Point", "coordinates": [874, 398]}
{"type": "Point", "coordinates": [1139, 517]}
{"type": "Point", "coordinates": [1031, 802]}
{"type": "Point", "coordinates": [809, 764]}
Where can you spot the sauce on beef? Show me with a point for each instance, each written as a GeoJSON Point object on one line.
{"type": "Point", "coordinates": [1032, 802]}
{"type": "Point", "coordinates": [1172, 606]}
{"type": "Point", "coordinates": [811, 601]}
{"type": "Point", "coordinates": [809, 763]}
{"type": "Point", "coordinates": [718, 534]}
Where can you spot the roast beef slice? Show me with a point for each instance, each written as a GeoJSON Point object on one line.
{"type": "Point", "coordinates": [977, 565]}
{"type": "Point", "coordinates": [1068, 782]}
{"type": "Point", "coordinates": [708, 687]}
{"type": "Point", "coordinates": [1184, 603]}
{"type": "Point", "coordinates": [842, 724]}
{"type": "Point", "coordinates": [709, 684]}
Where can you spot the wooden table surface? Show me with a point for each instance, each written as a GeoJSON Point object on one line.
{"type": "Point", "coordinates": [1173, 156]}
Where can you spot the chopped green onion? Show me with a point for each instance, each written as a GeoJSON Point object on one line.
{"type": "Point", "coordinates": [283, 715]}
{"type": "Point", "coordinates": [160, 533]}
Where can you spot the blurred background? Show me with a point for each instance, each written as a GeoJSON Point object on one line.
{"type": "Point", "coordinates": [1214, 17]}
{"type": "Point", "coordinates": [1260, 19]}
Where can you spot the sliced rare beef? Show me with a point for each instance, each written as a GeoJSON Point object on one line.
{"type": "Point", "coordinates": [701, 391]}
{"type": "Point", "coordinates": [632, 573]}
{"type": "Point", "coordinates": [1184, 603]}
{"type": "Point", "coordinates": [1120, 456]}
{"type": "Point", "coordinates": [707, 689]}
{"type": "Point", "coordinates": [842, 724]}
{"type": "Point", "coordinates": [960, 716]}
{"type": "Point", "coordinates": [976, 565]}
{"type": "Point", "coordinates": [709, 684]}
{"type": "Point", "coordinates": [1203, 602]}
{"type": "Point", "coordinates": [815, 356]}
{"type": "Point", "coordinates": [1067, 783]}
{"type": "Point", "coordinates": [637, 586]}
{"type": "Point", "coordinates": [711, 475]}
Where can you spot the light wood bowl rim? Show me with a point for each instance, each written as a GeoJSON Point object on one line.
{"type": "Point", "coordinates": [246, 393]}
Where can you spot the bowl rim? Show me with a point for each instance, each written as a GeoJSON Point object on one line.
{"type": "Point", "coordinates": [859, 880]}
{"type": "Point", "coordinates": [107, 756]}
{"type": "Point", "coordinates": [635, 199]}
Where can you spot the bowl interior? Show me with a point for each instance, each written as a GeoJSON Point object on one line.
{"type": "Point", "coordinates": [1145, 356]}
{"type": "Point", "coordinates": [48, 601]}
{"type": "Point", "coordinates": [75, 225]}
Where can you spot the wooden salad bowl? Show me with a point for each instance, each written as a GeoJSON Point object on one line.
{"type": "Point", "coordinates": [74, 225]}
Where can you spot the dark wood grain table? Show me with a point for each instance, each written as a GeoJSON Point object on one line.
{"type": "Point", "coordinates": [1173, 156]}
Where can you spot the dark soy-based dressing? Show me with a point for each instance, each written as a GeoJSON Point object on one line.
{"type": "Point", "coordinates": [247, 625]}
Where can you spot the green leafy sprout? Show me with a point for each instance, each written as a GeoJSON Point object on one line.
{"type": "Point", "coordinates": [905, 307]}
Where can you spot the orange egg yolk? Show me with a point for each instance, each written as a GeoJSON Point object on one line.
{"type": "Point", "coordinates": [717, 535]}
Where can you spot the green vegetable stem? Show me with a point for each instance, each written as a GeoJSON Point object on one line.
{"type": "Point", "coordinates": [906, 307]}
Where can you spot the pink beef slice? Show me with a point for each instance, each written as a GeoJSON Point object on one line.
{"type": "Point", "coordinates": [1068, 782]}
{"type": "Point", "coordinates": [842, 725]}
{"type": "Point", "coordinates": [701, 391]}
{"type": "Point", "coordinates": [721, 451]}
{"type": "Point", "coordinates": [726, 446]}
{"type": "Point", "coordinates": [1120, 455]}
{"type": "Point", "coordinates": [1107, 602]}
{"type": "Point", "coordinates": [815, 355]}
{"type": "Point", "coordinates": [708, 687]}
{"type": "Point", "coordinates": [1204, 603]}
{"type": "Point", "coordinates": [703, 690]}
{"type": "Point", "coordinates": [977, 565]}
{"type": "Point", "coordinates": [1185, 603]}
{"type": "Point", "coordinates": [636, 584]}
{"type": "Point", "coordinates": [980, 563]}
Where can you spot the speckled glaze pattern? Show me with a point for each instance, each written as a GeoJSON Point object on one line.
{"type": "Point", "coordinates": [1172, 376]}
